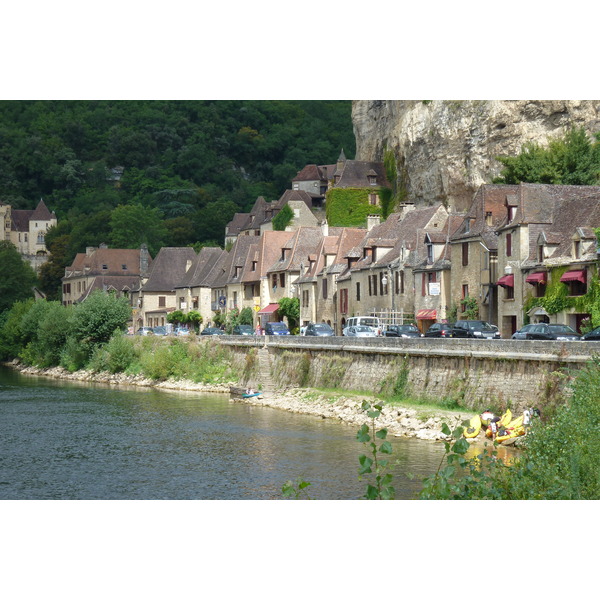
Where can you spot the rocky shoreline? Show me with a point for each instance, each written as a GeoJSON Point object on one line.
{"type": "Point", "coordinates": [422, 423]}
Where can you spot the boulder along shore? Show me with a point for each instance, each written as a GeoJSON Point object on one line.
{"type": "Point", "coordinates": [423, 423]}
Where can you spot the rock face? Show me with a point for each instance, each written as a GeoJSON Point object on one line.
{"type": "Point", "coordinates": [447, 148]}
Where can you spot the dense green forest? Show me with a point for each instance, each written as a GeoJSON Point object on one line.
{"type": "Point", "coordinates": [187, 166]}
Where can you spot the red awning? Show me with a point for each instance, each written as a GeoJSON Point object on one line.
{"type": "Point", "coordinates": [427, 314]}
{"type": "Point", "coordinates": [574, 276]}
{"type": "Point", "coordinates": [507, 281]}
{"type": "Point", "coordinates": [268, 310]}
{"type": "Point", "coordinates": [536, 278]}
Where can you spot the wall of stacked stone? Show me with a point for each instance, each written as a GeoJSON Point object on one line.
{"type": "Point", "coordinates": [474, 373]}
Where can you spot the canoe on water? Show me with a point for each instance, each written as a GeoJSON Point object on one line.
{"type": "Point", "coordinates": [473, 428]}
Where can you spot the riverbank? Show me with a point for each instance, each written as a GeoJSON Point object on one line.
{"type": "Point", "coordinates": [422, 423]}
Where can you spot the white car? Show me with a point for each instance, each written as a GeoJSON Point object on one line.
{"type": "Point", "coordinates": [360, 331]}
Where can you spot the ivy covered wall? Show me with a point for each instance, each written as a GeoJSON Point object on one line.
{"type": "Point", "coordinates": [349, 207]}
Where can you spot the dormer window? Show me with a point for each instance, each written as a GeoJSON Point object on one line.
{"type": "Point", "coordinates": [430, 253]}
{"type": "Point", "coordinates": [489, 219]}
{"type": "Point", "coordinates": [105, 267]}
{"type": "Point", "coordinates": [577, 249]}
{"type": "Point", "coordinates": [124, 267]}
{"type": "Point", "coordinates": [254, 265]}
{"type": "Point", "coordinates": [372, 179]}
{"type": "Point", "coordinates": [512, 210]}
{"type": "Point", "coordinates": [467, 225]}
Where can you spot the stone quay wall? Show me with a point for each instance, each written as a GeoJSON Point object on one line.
{"type": "Point", "coordinates": [473, 373]}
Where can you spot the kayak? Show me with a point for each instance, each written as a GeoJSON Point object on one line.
{"type": "Point", "coordinates": [514, 429]}
{"type": "Point", "coordinates": [473, 428]}
{"type": "Point", "coordinates": [259, 394]}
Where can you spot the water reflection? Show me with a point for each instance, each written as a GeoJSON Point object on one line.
{"type": "Point", "coordinates": [87, 441]}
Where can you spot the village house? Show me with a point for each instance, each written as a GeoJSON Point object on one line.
{"type": "Point", "coordinates": [320, 301]}
{"type": "Point", "coordinates": [157, 296]}
{"type": "Point", "coordinates": [194, 292]}
{"type": "Point", "coordinates": [27, 229]}
{"type": "Point", "coordinates": [120, 271]}
{"type": "Point", "coordinates": [475, 252]}
{"type": "Point", "coordinates": [546, 238]}
{"type": "Point", "coordinates": [382, 273]}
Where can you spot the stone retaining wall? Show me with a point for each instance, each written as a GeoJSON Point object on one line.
{"type": "Point", "coordinates": [498, 373]}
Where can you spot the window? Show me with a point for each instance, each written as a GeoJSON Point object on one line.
{"type": "Point", "coordinates": [40, 238]}
{"type": "Point", "coordinates": [509, 244]}
{"type": "Point", "coordinates": [465, 254]}
{"type": "Point", "coordinates": [509, 293]}
{"type": "Point", "coordinates": [374, 199]}
{"type": "Point", "coordinates": [489, 219]}
{"type": "Point", "coordinates": [540, 253]}
{"type": "Point", "coordinates": [401, 291]}
{"type": "Point", "coordinates": [105, 267]}
{"type": "Point", "coordinates": [274, 281]}
{"type": "Point", "coordinates": [465, 291]}
{"type": "Point", "coordinates": [423, 284]}
{"type": "Point", "coordinates": [162, 301]}
{"type": "Point", "coordinates": [124, 267]}
{"type": "Point", "coordinates": [374, 285]}
{"type": "Point", "coordinates": [254, 265]}
{"type": "Point", "coordinates": [358, 291]}
{"type": "Point", "coordinates": [577, 249]}
{"type": "Point", "coordinates": [282, 279]}
{"type": "Point", "coordinates": [383, 287]}
{"type": "Point", "coordinates": [430, 254]}
{"type": "Point", "coordinates": [324, 288]}
{"type": "Point", "coordinates": [305, 298]}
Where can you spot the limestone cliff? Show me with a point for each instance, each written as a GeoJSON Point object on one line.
{"type": "Point", "coordinates": [447, 148]}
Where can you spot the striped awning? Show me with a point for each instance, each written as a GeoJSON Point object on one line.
{"type": "Point", "coordinates": [534, 278]}
{"type": "Point", "coordinates": [507, 281]}
{"type": "Point", "coordinates": [427, 314]}
{"type": "Point", "coordinates": [574, 276]}
{"type": "Point", "coordinates": [269, 309]}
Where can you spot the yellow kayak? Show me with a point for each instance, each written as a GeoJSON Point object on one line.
{"type": "Point", "coordinates": [473, 428]}
{"type": "Point", "coordinates": [514, 429]}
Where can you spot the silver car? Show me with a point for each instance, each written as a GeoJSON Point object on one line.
{"type": "Point", "coordinates": [360, 331]}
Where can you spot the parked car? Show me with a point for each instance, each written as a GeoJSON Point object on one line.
{"type": "Point", "coordinates": [276, 328]}
{"type": "Point", "coordinates": [440, 330]}
{"type": "Point", "coordinates": [552, 331]}
{"type": "Point", "coordinates": [404, 331]}
{"type": "Point", "coordinates": [243, 330]}
{"type": "Point", "coordinates": [592, 336]}
{"type": "Point", "coordinates": [320, 329]}
{"type": "Point", "coordinates": [180, 331]}
{"type": "Point", "coordinates": [360, 331]}
{"type": "Point", "coordinates": [373, 322]}
{"type": "Point", "coordinates": [475, 329]}
{"type": "Point", "coordinates": [212, 331]}
{"type": "Point", "coordinates": [521, 334]}
{"type": "Point", "coordinates": [145, 331]}
{"type": "Point", "coordinates": [160, 330]}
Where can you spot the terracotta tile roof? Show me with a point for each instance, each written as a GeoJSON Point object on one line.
{"type": "Point", "coordinates": [112, 258]}
{"type": "Point", "coordinates": [310, 173]}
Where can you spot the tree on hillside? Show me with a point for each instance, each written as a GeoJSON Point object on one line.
{"type": "Point", "coordinates": [571, 160]}
{"type": "Point", "coordinates": [17, 278]}
{"type": "Point", "coordinates": [134, 225]}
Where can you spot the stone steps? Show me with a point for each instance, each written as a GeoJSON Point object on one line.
{"type": "Point", "coordinates": [264, 371]}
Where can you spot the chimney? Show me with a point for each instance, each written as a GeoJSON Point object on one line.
{"type": "Point", "coordinates": [325, 228]}
{"type": "Point", "coordinates": [372, 221]}
{"type": "Point", "coordinates": [90, 250]}
{"type": "Point", "coordinates": [144, 260]}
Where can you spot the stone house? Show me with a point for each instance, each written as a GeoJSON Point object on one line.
{"type": "Point", "coordinates": [546, 238]}
{"type": "Point", "coordinates": [26, 229]}
{"type": "Point", "coordinates": [380, 277]}
{"type": "Point", "coordinates": [475, 251]}
{"type": "Point", "coordinates": [313, 180]}
{"type": "Point", "coordinates": [283, 273]}
{"type": "Point", "coordinates": [117, 270]}
{"type": "Point", "coordinates": [194, 292]}
{"type": "Point", "coordinates": [320, 300]}
{"type": "Point", "coordinates": [157, 297]}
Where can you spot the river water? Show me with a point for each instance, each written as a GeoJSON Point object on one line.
{"type": "Point", "coordinates": [75, 441]}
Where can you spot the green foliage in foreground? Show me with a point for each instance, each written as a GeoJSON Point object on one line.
{"type": "Point", "coordinates": [561, 460]}
{"type": "Point", "coordinates": [17, 278]}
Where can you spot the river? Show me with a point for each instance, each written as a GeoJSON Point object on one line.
{"type": "Point", "coordinates": [64, 440]}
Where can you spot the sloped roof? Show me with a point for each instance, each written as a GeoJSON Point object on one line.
{"type": "Point", "coordinates": [355, 173]}
{"type": "Point", "coordinates": [113, 258]}
{"type": "Point", "coordinates": [201, 267]}
{"type": "Point", "coordinates": [168, 269]}
{"type": "Point", "coordinates": [310, 173]}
